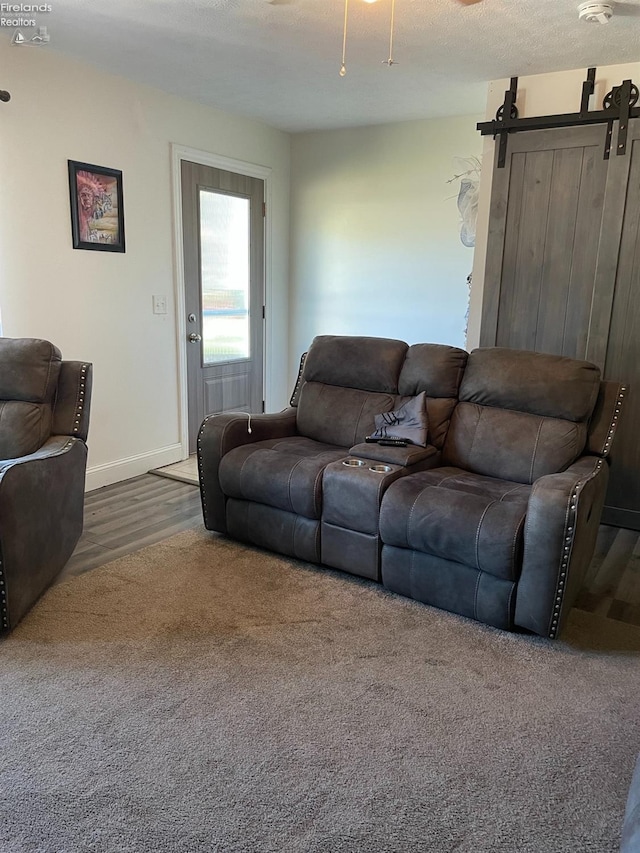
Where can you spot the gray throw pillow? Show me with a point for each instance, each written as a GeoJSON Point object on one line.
{"type": "Point", "coordinates": [409, 422]}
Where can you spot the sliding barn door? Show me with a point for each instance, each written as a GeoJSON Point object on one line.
{"type": "Point", "coordinates": [563, 269]}
{"type": "Point", "coordinates": [618, 336]}
{"type": "Point", "coordinates": [546, 218]}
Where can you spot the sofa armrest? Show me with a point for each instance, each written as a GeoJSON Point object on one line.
{"type": "Point", "coordinates": [412, 454]}
{"type": "Point", "coordinates": [561, 526]}
{"type": "Point", "coordinates": [57, 445]}
{"type": "Point", "coordinates": [41, 515]}
{"type": "Point", "coordinates": [218, 435]}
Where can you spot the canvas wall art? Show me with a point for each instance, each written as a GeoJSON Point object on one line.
{"type": "Point", "coordinates": [97, 209]}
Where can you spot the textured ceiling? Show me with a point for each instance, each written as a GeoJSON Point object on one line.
{"type": "Point", "coordinates": [279, 61]}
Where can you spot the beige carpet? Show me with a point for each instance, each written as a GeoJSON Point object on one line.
{"type": "Point", "coordinates": [204, 696]}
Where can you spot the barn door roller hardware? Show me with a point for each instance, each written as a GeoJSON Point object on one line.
{"type": "Point", "coordinates": [4, 96]}
{"type": "Point", "coordinates": [619, 105]}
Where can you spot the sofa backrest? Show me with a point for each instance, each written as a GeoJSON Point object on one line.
{"type": "Point", "coordinates": [29, 372]}
{"type": "Point", "coordinates": [347, 380]}
{"type": "Point", "coordinates": [521, 414]}
{"type": "Point", "coordinates": [437, 370]}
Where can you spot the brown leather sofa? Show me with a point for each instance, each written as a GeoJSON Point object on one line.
{"type": "Point", "coordinates": [44, 419]}
{"type": "Point", "coordinates": [495, 519]}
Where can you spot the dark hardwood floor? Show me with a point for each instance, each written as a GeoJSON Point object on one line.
{"type": "Point", "coordinates": [127, 516]}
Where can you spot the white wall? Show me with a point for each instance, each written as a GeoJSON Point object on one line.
{"type": "Point", "coordinates": [538, 95]}
{"type": "Point", "coordinates": [375, 233]}
{"type": "Point", "coordinates": [94, 305]}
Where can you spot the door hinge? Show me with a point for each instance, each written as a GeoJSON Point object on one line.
{"type": "Point", "coordinates": [263, 406]}
{"type": "Point", "coordinates": [264, 208]}
{"type": "Point", "coordinates": [263, 313]}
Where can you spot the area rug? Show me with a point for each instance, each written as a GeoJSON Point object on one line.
{"type": "Point", "coordinates": [205, 696]}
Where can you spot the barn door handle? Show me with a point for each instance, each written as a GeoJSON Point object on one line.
{"type": "Point", "coordinates": [194, 338]}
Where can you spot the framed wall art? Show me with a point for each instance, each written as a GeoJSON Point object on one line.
{"type": "Point", "coordinates": [97, 209]}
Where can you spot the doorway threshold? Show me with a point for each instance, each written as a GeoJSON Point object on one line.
{"type": "Point", "coordinates": [186, 470]}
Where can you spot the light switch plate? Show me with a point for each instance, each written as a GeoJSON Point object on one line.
{"type": "Point", "coordinates": [159, 304]}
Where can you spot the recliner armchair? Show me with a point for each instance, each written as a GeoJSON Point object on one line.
{"type": "Point", "coordinates": [44, 420]}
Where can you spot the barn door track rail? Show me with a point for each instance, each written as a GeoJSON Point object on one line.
{"type": "Point", "coordinates": [619, 105]}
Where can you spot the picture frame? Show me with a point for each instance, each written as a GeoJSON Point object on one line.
{"type": "Point", "coordinates": [97, 207]}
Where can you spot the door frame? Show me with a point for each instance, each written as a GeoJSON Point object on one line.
{"type": "Point", "coordinates": [240, 167]}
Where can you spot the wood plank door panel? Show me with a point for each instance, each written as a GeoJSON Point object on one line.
{"type": "Point", "coordinates": [571, 251]}
{"type": "Point", "coordinates": [525, 261]}
{"type": "Point", "coordinates": [563, 270]}
{"type": "Point", "coordinates": [545, 202]}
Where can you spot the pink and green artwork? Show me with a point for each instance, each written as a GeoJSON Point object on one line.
{"type": "Point", "coordinates": [97, 216]}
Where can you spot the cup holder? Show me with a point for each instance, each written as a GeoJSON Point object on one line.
{"type": "Point", "coordinates": [381, 469]}
{"type": "Point", "coordinates": [354, 463]}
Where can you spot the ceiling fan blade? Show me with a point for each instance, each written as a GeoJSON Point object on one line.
{"type": "Point", "coordinates": [469, 2]}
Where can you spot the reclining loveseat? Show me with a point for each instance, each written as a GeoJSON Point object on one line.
{"type": "Point", "coordinates": [495, 518]}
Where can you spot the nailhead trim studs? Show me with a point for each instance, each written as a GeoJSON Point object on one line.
{"type": "Point", "coordinates": [564, 562]}
{"type": "Point", "coordinates": [80, 400]}
{"type": "Point", "coordinates": [201, 468]}
{"type": "Point", "coordinates": [4, 616]}
{"type": "Point", "coordinates": [573, 506]}
{"type": "Point", "coordinates": [614, 420]}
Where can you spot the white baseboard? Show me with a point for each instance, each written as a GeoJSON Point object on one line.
{"type": "Point", "coordinates": [132, 466]}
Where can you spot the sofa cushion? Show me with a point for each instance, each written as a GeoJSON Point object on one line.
{"type": "Point", "coordinates": [533, 382]}
{"type": "Point", "coordinates": [521, 414]}
{"type": "Point", "coordinates": [511, 445]}
{"type": "Point", "coordinates": [370, 364]}
{"type": "Point", "coordinates": [340, 416]}
{"type": "Point", "coordinates": [24, 427]}
{"type": "Point", "coordinates": [285, 473]}
{"type": "Point", "coordinates": [434, 368]}
{"type": "Point", "coordinates": [466, 518]}
{"type": "Point", "coordinates": [437, 370]}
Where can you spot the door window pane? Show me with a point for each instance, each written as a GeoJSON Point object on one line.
{"type": "Point", "coordinates": [224, 274]}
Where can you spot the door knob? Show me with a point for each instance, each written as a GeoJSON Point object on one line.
{"type": "Point", "coordinates": [194, 338]}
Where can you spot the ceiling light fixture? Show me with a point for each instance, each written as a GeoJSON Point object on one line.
{"type": "Point", "coordinates": [390, 61]}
